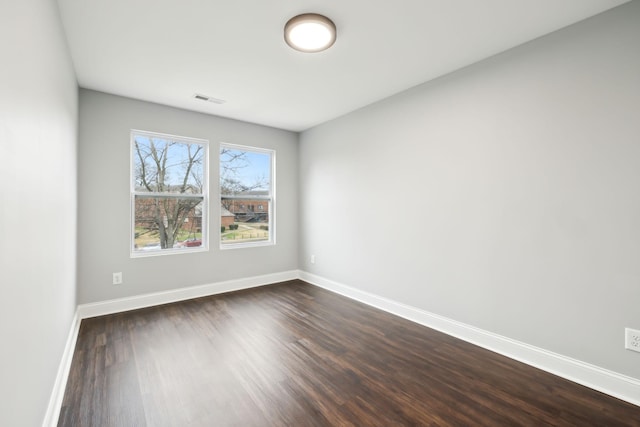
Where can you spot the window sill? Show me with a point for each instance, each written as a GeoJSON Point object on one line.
{"type": "Point", "coordinates": [227, 246]}
{"type": "Point", "coordinates": [163, 252]}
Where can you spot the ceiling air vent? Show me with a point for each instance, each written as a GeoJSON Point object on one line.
{"type": "Point", "coordinates": [209, 99]}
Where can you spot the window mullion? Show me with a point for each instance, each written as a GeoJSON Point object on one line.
{"type": "Point", "coordinates": [168, 195]}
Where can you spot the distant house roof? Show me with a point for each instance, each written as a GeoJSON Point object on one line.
{"type": "Point", "coordinates": [225, 212]}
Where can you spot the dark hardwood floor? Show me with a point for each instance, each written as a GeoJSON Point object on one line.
{"type": "Point", "coordinates": [292, 354]}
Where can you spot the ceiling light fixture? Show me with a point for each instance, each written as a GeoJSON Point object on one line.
{"type": "Point", "coordinates": [310, 32]}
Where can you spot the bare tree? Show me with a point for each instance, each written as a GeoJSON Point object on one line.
{"type": "Point", "coordinates": [165, 209]}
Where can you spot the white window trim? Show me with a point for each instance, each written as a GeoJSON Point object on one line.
{"type": "Point", "coordinates": [205, 196]}
{"type": "Point", "coordinates": [271, 198]}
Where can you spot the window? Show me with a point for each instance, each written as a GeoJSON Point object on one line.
{"type": "Point", "coordinates": [169, 194]}
{"type": "Point", "coordinates": [246, 196]}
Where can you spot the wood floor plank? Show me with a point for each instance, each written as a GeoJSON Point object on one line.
{"type": "Point", "coordinates": [292, 354]}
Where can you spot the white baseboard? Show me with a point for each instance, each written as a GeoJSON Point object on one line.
{"type": "Point", "coordinates": [55, 401]}
{"type": "Point", "coordinates": [612, 383]}
{"type": "Point", "coordinates": [148, 300]}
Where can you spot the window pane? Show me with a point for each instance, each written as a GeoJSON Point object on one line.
{"type": "Point", "coordinates": [245, 220]}
{"type": "Point", "coordinates": [246, 195]}
{"type": "Point", "coordinates": [244, 173]}
{"type": "Point", "coordinates": [167, 223]}
{"type": "Point", "coordinates": [168, 193]}
{"type": "Point", "coordinates": [166, 166]}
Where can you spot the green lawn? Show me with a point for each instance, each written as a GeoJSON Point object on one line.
{"type": "Point", "coordinates": [146, 236]}
{"type": "Point", "coordinates": [246, 232]}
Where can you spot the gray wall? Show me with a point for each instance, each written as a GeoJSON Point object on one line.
{"type": "Point", "coordinates": [504, 195]}
{"type": "Point", "coordinates": [103, 180]}
{"type": "Point", "coordinates": [38, 126]}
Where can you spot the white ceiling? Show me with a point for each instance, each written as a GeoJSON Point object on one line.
{"type": "Point", "coordinates": [165, 51]}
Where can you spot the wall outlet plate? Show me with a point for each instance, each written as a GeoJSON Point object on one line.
{"type": "Point", "coordinates": [632, 339]}
{"type": "Point", "coordinates": [117, 278]}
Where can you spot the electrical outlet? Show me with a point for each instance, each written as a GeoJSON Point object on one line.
{"type": "Point", "coordinates": [632, 339]}
{"type": "Point", "coordinates": [313, 259]}
{"type": "Point", "coordinates": [117, 278]}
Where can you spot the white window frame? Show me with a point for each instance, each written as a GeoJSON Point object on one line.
{"type": "Point", "coordinates": [204, 196]}
{"type": "Point", "coordinates": [271, 198]}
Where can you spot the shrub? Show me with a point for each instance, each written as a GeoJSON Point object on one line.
{"type": "Point", "coordinates": [264, 227]}
{"type": "Point", "coordinates": [233, 226]}
{"type": "Point", "coordinates": [222, 228]}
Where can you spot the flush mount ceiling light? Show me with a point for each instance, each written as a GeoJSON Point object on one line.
{"type": "Point", "coordinates": [310, 32]}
